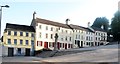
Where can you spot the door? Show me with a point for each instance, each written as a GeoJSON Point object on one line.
{"type": "Point", "coordinates": [81, 43]}
{"type": "Point", "coordinates": [27, 52]}
{"type": "Point", "coordinates": [65, 45]}
{"type": "Point", "coordinates": [10, 51]}
{"type": "Point", "coordinates": [78, 43]}
{"type": "Point", "coordinates": [19, 51]}
{"type": "Point", "coordinates": [46, 45]}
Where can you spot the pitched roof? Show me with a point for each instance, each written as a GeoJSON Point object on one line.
{"type": "Point", "coordinates": [98, 29]}
{"type": "Point", "coordinates": [20, 27]}
{"type": "Point", "coordinates": [48, 22]}
{"type": "Point", "coordinates": [77, 27]}
{"type": "Point", "coordinates": [80, 28]}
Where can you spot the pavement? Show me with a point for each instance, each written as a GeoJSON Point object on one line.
{"type": "Point", "coordinates": [107, 53]}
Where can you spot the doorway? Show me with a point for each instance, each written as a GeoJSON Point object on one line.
{"type": "Point", "coordinates": [65, 45]}
{"type": "Point", "coordinates": [10, 51]}
{"type": "Point", "coordinates": [45, 45]}
{"type": "Point", "coordinates": [27, 51]}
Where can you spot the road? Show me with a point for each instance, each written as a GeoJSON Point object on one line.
{"type": "Point", "coordinates": [107, 53]}
{"type": "Point", "coordinates": [101, 54]}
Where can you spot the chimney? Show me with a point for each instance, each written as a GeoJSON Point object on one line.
{"type": "Point", "coordinates": [88, 24]}
{"type": "Point", "coordinates": [67, 21]}
{"type": "Point", "coordinates": [34, 15]}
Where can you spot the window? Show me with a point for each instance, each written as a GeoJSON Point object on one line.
{"type": "Point", "coordinates": [76, 30]}
{"type": "Point", "coordinates": [70, 38]}
{"type": "Point", "coordinates": [57, 29]}
{"type": "Point", "coordinates": [40, 34]}
{"type": "Point", "coordinates": [46, 35]}
{"type": "Point", "coordinates": [51, 28]}
{"type": "Point", "coordinates": [50, 44]}
{"type": "Point", "coordinates": [66, 31]}
{"type": "Point", "coordinates": [9, 32]}
{"type": "Point", "coordinates": [82, 31]}
{"type": "Point", "coordinates": [82, 37]}
{"type": "Point", "coordinates": [32, 42]}
{"type": "Point", "coordinates": [99, 34]}
{"type": "Point", "coordinates": [21, 41]}
{"type": "Point", "coordinates": [39, 43]}
{"type": "Point", "coordinates": [40, 26]}
{"type": "Point", "coordinates": [76, 36]}
{"type": "Point", "coordinates": [26, 34]}
{"type": "Point", "coordinates": [9, 41]}
{"type": "Point", "coordinates": [91, 38]}
{"type": "Point", "coordinates": [15, 33]}
{"type": "Point", "coordinates": [51, 36]}
{"type": "Point", "coordinates": [32, 35]}
{"type": "Point", "coordinates": [21, 33]}
{"type": "Point", "coordinates": [26, 42]}
{"type": "Point", "coordinates": [96, 38]}
{"type": "Point", "coordinates": [62, 30]}
{"type": "Point", "coordinates": [46, 27]}
{"type": "Point", "coordinates": [61, 39]}
{"type": "Point", "coordinates": [86, 32]}
{"type": "Point", "coordinates": [96, 33]}
{"type": "Point", "coordinates": [79, 36]}
{"type": "Point", "coordinates": [87, 38]}
{"type": "Point", "coordinates": [66, 38]}
{"type": "Point", "coordinates": [15, 41]}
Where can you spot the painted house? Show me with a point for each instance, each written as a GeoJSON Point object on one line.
{"type": "Point", "coordinates": [45, 34]}
{"type": "Point", "coordinates": [100, 36]}
{"type": "Point", "coordinates": [18, 40]}
{"type": "Point", "coordinates": [69, 35]}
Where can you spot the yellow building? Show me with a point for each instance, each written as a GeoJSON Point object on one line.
{"type": "Point", "coordinates": [19, 39]}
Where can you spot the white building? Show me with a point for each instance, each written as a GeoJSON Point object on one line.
{"type": "Point", "coordinates": [69, 35]}
{"type": "Point", "coordinates": [100, 36]}
{"type": "Point", "coordinates": [45, 34]}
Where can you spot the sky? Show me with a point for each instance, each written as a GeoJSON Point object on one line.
{"type": "Point", "coordinates": [80, 12]}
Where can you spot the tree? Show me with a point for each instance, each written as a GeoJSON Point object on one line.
{"type": "Point", "coordinates": [115, 26]}
{"type": "Point", "coordinates": [101, 21]}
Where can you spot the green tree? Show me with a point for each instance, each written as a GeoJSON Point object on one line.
{"type": "Point", "coordinates": [115, 26]}
{"type": "Point", "coordinates": [101, 21]}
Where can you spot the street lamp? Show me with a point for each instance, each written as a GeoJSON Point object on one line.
{"type": "Point", "coordinates": [6, 6]}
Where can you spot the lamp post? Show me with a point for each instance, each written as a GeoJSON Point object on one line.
{"type": "Point", "coordinates": [6, 6]}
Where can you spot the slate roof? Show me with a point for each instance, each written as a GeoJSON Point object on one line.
{"type": "Point", "coordinates": [10, 26]}
{"type": "Point", "coordinates": [48, 22]}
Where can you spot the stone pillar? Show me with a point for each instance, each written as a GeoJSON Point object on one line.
{"type": "Point", "coordinates": [55, 44]}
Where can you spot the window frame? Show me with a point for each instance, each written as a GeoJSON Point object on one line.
{"type": "Point", "coordinates": [15, 33]}
{"type": "Point", "coordinates": [15, 41]}
{"type": "Point", "coordinates": [9, 32]}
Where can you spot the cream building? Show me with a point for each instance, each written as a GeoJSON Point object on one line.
{"type": "Point", "coordinates": [18, 40]}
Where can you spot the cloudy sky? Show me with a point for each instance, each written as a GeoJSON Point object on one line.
{"type": "Point", "coordinates": [80, 12]}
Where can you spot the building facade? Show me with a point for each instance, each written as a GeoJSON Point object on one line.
{"type": "Point", "coordinates": [45, 34]}
{"type": "Point", "coordinates": [69, 35]}
{"type": "Point", "coordinates": [18, 40]}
